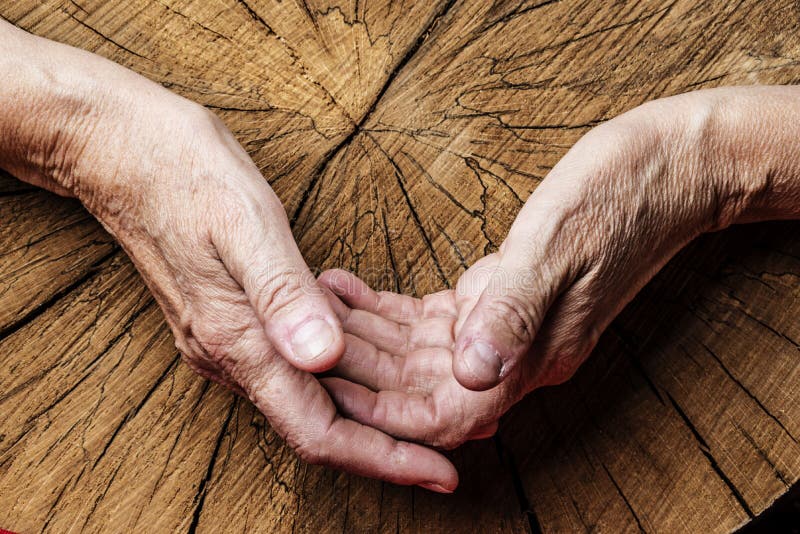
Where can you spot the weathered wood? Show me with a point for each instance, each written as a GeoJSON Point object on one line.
{"type": "Point", "coordinates": [403, 137]}
{"type": "Point", "coordinates": [48, 246]}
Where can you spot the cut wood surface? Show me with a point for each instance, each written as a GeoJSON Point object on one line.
{"type": "Point", "coordinates": [403, 137]}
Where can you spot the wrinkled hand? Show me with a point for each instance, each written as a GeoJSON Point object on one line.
{"type": "Point", "coordinates": [615, 209]}
{"type": "Point", "coordinates": [207, 234]}
{"type": "Point", "coordinates": [396, 372]}
{"type": "Point", "coordinates": [602, 222]}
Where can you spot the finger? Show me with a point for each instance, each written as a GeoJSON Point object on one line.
{"type": "Point", "coordinates": [402, 309]}
{"type": "Point", "coordinates": [390, 336]}
{"type": "Point", "coordinates": [365, 451]}
{"type": "Point", "coordinates": [499, 331]}
{"type": "Point", "coordinates": [301, 411]}
{"type": "Point", "coordinates": [418, 372]}
{"type": "Point", "coordinates": [358, 295]}
{"type": "Point", "coordinates": [396, 338]}
{"type": "Point", "coordinates": [435, 419]}
{"type": "Point", "coordinates": [399, 414]}
{"type": "Point", "coordinates": [256, 245]}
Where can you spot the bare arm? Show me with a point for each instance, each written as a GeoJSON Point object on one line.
{"type": "Point", "coordinates": [206, 232]}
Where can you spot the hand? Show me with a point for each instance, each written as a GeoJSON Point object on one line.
{"type": "Point", "coordinates": [396, 372]}
{"type": "Point", "coordinates": [613, 211]}
{"type": "Point", "coordinates": [624, 199]}
{"type": "Point", "coordinates": [591, 234]}
{"type": "Point", "coordinates": [207, 234]}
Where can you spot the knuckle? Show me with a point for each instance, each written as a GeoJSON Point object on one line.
{"type": "Point", "coordinates": [447, 425]}
{"type": "Point", "coordinates": [312, 451]}
{"type": "Point", "coordinates": [206, 338]}
{"type": "Point", "coordinates": [517, 315]}
{"type": "Point", "coordinates": [277, 291]}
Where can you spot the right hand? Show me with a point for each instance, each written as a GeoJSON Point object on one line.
{"type": "Point", "coordinates": [209, 237]}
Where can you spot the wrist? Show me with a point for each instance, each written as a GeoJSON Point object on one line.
{"type": "Point", "coordinates": [751, 147]}
{"type": "Point", "coordinates": [47, 111]}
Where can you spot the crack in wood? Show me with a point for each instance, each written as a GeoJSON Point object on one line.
{"type": "Point", "coordinates": [200, 496]}
{"type": "Point", "coordinates": [93, 270]}
{"type": "Point", "coordinates": [359, 124]}
{"type": "Point", "coordinates": [748, 392]}
{"type": "Point", "coordinates": [507, 459]}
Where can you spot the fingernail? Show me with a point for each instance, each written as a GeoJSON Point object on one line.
{"type": "Point", "coordinates": [483, 362]}
{"type": "Point", "coordinates": [434, 487]}
{"type": "Point", "coordinates": [311, 340]}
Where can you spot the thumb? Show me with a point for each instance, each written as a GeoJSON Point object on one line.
{"type": "Point", "coordinates": [500, 329]}
{"type": "Point", "coordinates": [261, 255]}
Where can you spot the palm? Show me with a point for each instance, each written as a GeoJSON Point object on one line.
{"type": "Point", "coordinates": [396, 374]}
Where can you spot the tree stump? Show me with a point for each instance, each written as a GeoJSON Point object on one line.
{"type": "Point", "coordinates": [403, 137]}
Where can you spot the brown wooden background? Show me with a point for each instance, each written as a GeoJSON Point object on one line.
{"type": "Point", "coordinates": [403, 137]}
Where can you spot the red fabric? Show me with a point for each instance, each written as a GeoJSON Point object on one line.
{"type": "Point", "coordinates": [3, 531]}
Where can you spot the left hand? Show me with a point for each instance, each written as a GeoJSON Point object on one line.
{"type": "Point", "coordinates": [208, 235]}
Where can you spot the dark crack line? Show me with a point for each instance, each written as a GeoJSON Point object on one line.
{"type": "Point", "coordinates": [519, 488]}
{"type": "Point", "coordinates": [200, 497]}
{"type": "Point", "coordinates": [692, 428]}
{"type": "Point", "coordinates": [244, 110]}
{"type": "Point", "coordinates": [755, 399]}
{"type": "Point", "coordinates": [706, 450]}
{"type": "Point", "coordinates": [389, 251]}
{"type": "Point", "coordinates": [50, 233]}
{"type": "Point", "coordinates": [734, 491]}
{"type": "Point", "coordinates": [407, 57]}
{"type": "Point", "coordinates": [109, 346]}
{"type": "Point", "coordinates": [635, 362]}
{"type": "Point", "coordinates": [415, 216]}
{"type": "Point", "coordinates": [37, 311]}
{"type": "Point", "coordinates": [623, 497]}
{"type": "Point", "coordinates": [191, 20]}
{"type": "Point", "coordinates": [52, 512]}
{"type": "Point", "coordinates": [101, 497]}
{"type": "Point", "coordinates": [135, 411]}
{"type": "Point", "coordinates": [106, 38]}
{"type": "Point", "coordinates": [359, 126]}
{"type": "Point", "coordinates": [319, 171]}
{"type": "Point", "coordinates": [761, 452]}
{"type": "Point", "coordinates": [295, 56]}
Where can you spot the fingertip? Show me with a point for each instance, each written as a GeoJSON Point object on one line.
{"type": "Point", "coordinates": [440, 475]}
{"type": "Point", "coordinates": [432, 486]}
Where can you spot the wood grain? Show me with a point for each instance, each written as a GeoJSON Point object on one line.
{"type": "Point", "coordinates": [403, 138]}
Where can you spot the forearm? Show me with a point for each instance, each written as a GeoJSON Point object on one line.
{"type": "Point", "coordinates": [38, 108]}
{"type": "Point", "coordinates": [69, 118]}
{"type": "Point", "coordinates": [754, 153]}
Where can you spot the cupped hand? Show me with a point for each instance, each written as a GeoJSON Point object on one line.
{"type": "Point", "coordinates": [210, 239]}
{"type": "Point", "coordinates": [624, 199]}
{"type": "Point", "coordinates": [396, 373]}
{"type": "Point", "coordinates": [609, 215]}
{"type": "Point", "coordinates": [444, 368]}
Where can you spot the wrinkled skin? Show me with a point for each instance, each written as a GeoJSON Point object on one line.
{"type": "Point", "coordinates": [615, 209]}
{"type": "Point", "coordinates": [209, 237]}
{"type": "Point", "coordinates": [396, 372]}
{"type": "Point", "coordinates": [212, 242]}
